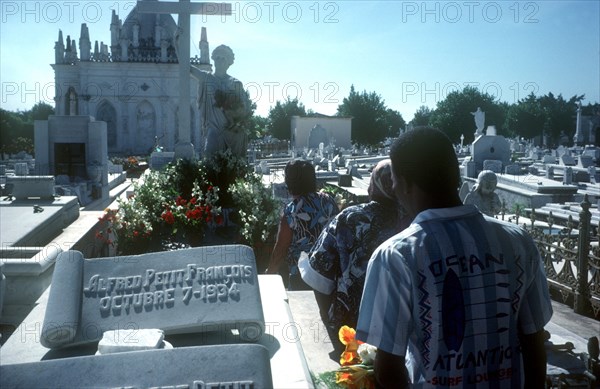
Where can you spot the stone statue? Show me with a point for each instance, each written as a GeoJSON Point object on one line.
{"type": "Point", "coordinates": [479, 117]}
{"type": "Point", "coordinates": [483, 196]}
{"type": "Point", "coordinates": [224, 106]}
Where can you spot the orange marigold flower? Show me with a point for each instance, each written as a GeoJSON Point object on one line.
{"type": "Point", "coordinates": [346, 334]}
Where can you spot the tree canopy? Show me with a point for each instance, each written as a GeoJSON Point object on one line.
{"type": "Point", "coordinates": [280, 117]}
{"type": "Point", "coordinates": [453, 114]}
{"type": "Point", "coordinates": [372, 121]}
{"type": "Point", "coordinates": [16, 128]}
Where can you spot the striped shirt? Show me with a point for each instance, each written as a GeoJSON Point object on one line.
{"type": "Point", "coordinates": [451, 293]}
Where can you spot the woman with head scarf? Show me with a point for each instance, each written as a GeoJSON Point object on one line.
{"type": "Point", "coordinates": [337, 264]}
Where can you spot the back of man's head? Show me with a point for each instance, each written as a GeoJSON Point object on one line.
{"type": "Point", "coordinates": [426, 158]}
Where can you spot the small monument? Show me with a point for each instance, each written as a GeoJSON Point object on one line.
{"type": "Point", "coordinates": [482, 194]}
{"type": "Point", "coordinates": [195, 290]}
{"type": "Point", "coordinates": [479, 117]}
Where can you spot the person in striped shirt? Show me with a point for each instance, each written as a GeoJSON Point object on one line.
{"type": "Point", "coordinates": [458, 299]}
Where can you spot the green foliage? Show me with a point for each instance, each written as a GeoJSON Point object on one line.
{"type": "Point", "coordinates": [526, 118]}
{"type": "Point", "coordinates": [372, 121]}
{"type": "Point", "coordinates": [185, 199]}
{"type": "Point", "coordinates": [257, 209]}
{"type": "Point", "coordinates": [422, 116]}
{"type": "Point", "coordinates": [453, 114]}
{"type": "Point", "coordinates": [548, 115]}
{"type": "Point", "coordinates": [257, 126]}
{"type": "Point", "coordinates": [394, 122]}
{"type": "Point", "coordinates": [560, 116]}
{"type": "Point", "coordinates": [40, 111]}
{"type": "Point", "coordinates": [16, 128]}
{"type": "Point", "coordinates": [280, 117]}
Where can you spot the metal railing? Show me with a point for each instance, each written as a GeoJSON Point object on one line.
{"type": "Point", "coordinates": [571, 255]}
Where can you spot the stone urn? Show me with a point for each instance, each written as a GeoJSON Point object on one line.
{"type": "Point", "coordinates": [94, 172]}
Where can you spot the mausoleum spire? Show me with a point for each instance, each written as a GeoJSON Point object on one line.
{"type": "Point", "coordinates": [204, 57]}
{"type": "Point", "coordinates": [59, 49]}
{"type": "Point", "coordinates": [85, 45]}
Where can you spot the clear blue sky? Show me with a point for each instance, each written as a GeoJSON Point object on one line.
{"type": "Point", "coordinates": [412, 53]}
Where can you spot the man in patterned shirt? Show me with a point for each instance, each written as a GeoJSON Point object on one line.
{"type": "Point", "coordinates": [459, 298]}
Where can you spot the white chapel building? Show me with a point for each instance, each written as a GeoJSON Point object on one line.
{"type": "Point", "coordinates": [132, 84]}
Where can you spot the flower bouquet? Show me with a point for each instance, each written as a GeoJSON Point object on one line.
{"type": "Point", "coordinates": [357, 360]}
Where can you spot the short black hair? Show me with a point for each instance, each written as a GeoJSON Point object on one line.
{"type": "Point", "coordinates": [300, 177]}
{"type": "Point", "coordinates": [426, 158]}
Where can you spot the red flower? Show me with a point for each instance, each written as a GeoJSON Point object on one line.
{"type": "Point", "coordinates": [180, 201]}
{"type": "Point", "coordinates": [219, 220]}
{"type": "Point", "coordinates": [136, 234]}
{"type": "Point", "coordinates": [193, 201]}
{"type": "Point", "coordinates": [168, 217]}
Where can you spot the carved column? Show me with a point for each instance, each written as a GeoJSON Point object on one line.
{"type": "Point", "coordinates": [582, 304]}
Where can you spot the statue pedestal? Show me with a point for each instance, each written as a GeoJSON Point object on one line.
{"type": "Point", "coordinates": [184, 150]}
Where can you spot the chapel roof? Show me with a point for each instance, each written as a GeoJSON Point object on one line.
{"type": "Point", "coordinates": [147, 23]}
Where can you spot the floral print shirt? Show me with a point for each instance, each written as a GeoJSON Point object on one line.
{"type": "Point", "coordinates": [307, 216]}
{"type": "Point", "coordinates": [340, 256]}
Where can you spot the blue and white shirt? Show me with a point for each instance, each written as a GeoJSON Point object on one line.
{"type": "Point", "coordinates": [451, 293]}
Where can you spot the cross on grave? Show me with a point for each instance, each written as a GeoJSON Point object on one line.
{"type": "Point", "coordinates": [184, 9]}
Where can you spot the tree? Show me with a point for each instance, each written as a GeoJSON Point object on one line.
{"type": "Point", "coordinates": [560, 116]}
{"type": "Point", "coordinates": [11, 126]}
{"type": "Point", "coordinates": [526, 118]}
{"type": "Point", "coordinates": [422, 116]}
{"type": "Point", "coordinates": [257, 126]}
{"type": "Point", "coordinates": [16, 128]}
{"type": "Point", "coordinates": [394, 122]}
{"type": "Point", "coordinates": [280, 117]}
{"type": "Point", "coordinates": [453, 114]}
{"type": "Point", "coordinates": [40, 111]}
{"type": "Point", "coordinates": [369, 116]}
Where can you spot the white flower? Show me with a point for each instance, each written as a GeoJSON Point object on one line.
{"type": "Point", "coordinates": [367, 353]}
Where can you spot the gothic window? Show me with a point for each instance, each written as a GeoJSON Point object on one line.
{"type": "Point", "coordinates": [71, 106]}
{"type": "Point", "coordinates": [146, 127]}
{"type": "Point", "coordinates": [107, 113]}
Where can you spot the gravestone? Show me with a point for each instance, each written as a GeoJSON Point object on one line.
{"type": "Point", "coordinates": [513, 169]}
{"type": "Point", "coordinates": [243, 366]}
{"type": "Point", "coordinates": [21, 169]}
{"type": "Point", "coordinates": [549, 159]}
{"type": "Point", "coordinates": [585, 161]}
{"type": "Point", "coordinates": [567, 160]}
{"type": "Point", "coordinates": [202, 289]}
{"type": "Point", "coordinates": [160, 159]}
{"type": "Point", "coordinates": [493, 165]}
{"type": "Point", "coordinates": [24, 187]}
{"type": "Point", "coordinates": [568, 176]}
{"type": "Point", "coordinates": [490, 147]}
